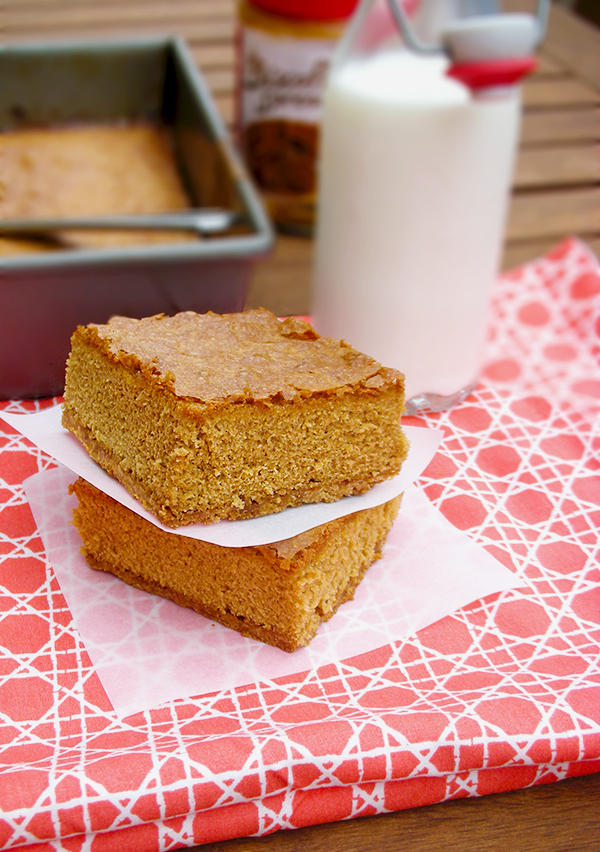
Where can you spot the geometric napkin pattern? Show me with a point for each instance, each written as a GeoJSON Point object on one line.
{"type": "Point", "coordinates": [501, 694]}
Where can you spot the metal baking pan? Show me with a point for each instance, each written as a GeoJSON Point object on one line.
{"type": "Point", "coordinates": [44, 296]}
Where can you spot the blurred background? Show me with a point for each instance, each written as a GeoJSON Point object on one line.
{"type": "Point", "coordinates": [556, 187]}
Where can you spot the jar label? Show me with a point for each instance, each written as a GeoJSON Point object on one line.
{"type": "Point", "coordinates": [283, 77]}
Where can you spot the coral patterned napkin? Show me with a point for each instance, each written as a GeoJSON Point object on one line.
{"type": "Point", "coordinates": [501, 693]}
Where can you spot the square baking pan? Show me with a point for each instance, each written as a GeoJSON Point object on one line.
{"type": "Point", "coordinates": [45, 295]}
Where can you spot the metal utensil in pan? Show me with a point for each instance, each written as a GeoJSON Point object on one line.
{"type": "Point", "coordinates": [205, 222]}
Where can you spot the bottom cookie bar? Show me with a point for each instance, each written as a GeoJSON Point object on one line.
{"type": "Point", "coordinates": [277, 593]}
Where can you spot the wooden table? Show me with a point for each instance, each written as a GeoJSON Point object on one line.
{"type": "Point", "coordinates": [556, 193]}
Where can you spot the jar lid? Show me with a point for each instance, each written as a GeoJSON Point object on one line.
{"type": "Point", "coordinates": [315, 10]}
{"type": "Point", "coordinates": [497, 72]}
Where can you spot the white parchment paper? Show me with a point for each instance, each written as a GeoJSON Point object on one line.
{"type": "Point", "coordinates": [147, 650]}
{"type": "Point", "coordinates": [44, 429]}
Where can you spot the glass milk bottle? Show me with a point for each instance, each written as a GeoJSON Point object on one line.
{"type": "Point", "coordinates": [418, 144]}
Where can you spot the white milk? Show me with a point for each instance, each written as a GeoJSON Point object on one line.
{"type": "Point", "coordinates": [414, 184]}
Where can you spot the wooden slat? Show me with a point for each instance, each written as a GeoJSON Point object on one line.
{"type": "Point", "coordinates": [219, 80]}
{"type": "Point", "coordinates": [554, 214]}
{"type": "Point", "coordinates": [285, 290]}
{"type": "Point", "coordinates": [22, 14]}
{"type": "Point", "coordinates": [213, 30]}
{"type": "Point", "coordinates": [569, 92]}
{"type": "Point", "coordinates": [558, 166]}
{"type": "Point", "coordinates": [226, 106]}
{"type": "Point", "coordinates": [573, 42]}
{"type": "Point", "coordinates": [16, 8]}
{"type": "Point", "coordinates": [202, 20]}
{"type": "Point", "coordinates": [517, 253]}
{"type": "Point", "coordinates": [213, 55]}
{"type": "Point", "coordinates": [557, 126]}
{"type": "Point", "coordinates": [283, 282]}
{"type": "Point", "coordinates": [548, 67]}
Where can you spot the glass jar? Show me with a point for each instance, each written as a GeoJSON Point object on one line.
{"type": "Point", "coordinates": [284, 51]}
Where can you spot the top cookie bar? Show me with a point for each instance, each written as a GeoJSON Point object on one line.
{"type": "Point", "coordinates": [205, 417]}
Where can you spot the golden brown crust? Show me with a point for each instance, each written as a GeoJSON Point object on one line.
{"type": "Point", "coordinates": [245, 357]}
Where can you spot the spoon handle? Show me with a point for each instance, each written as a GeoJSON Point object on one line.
{"type": "Point", "coordinates": [207, 221]}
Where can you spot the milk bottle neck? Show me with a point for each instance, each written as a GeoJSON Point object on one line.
{"type": "Point", "coordinates": [491, 51]}
{"type": "Point", "coordinates": [486, 51]}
